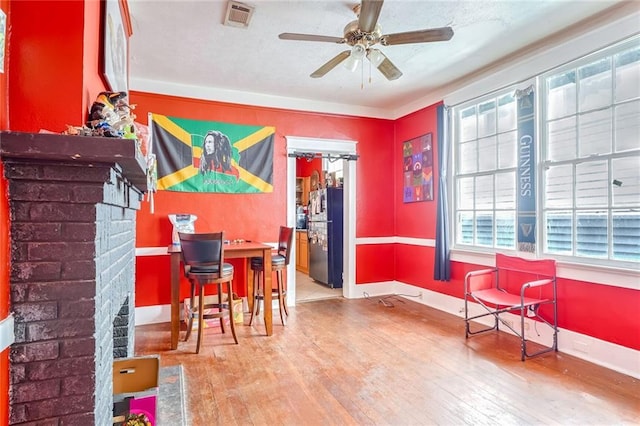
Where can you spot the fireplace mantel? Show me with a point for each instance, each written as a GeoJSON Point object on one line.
{"type": "Point", "coordinates": [72, 217]}
{"type": "Point", "coordinates": [83, 150]}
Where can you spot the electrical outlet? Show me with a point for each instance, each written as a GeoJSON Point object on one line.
{"type": "Point", "coordinates": [581, 346]}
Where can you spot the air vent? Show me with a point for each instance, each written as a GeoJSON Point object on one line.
{"type": "Point", "coordinates": [238, 14]}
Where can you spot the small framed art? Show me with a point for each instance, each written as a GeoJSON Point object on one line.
{"type": "Point", "coordinates": [417, 169]}
{"type": "Point", "coordinates": [115, 52]}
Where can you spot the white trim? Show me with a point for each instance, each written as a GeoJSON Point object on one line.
{"type": "Point", "coordinates": [595, 274]}
{"type": "Point", "coordinates": [153, 314]}
{"type": "Point", "coordinates": [7, 333]}
{"type": "Point", "coordinates": [375, 240]}
{"type": "Point", "coordinates": [611, 276]}
{"type": "Point", "coordinates": [610, 355]}
{"type": "Point", "coordinates": [316, 145]}
{"type": "Point", "coordinates": [349, 248]}
{"type": "Point", "coordinates": [425, 242]}
{"type": "Point", "coordinates": [615, 357]}
{"type": "Point", "coordinates": [152, 251]}
{"type": "Point", "coordinates": [255, 99]}
{"type": "Point", "coordinates": [319, 145]}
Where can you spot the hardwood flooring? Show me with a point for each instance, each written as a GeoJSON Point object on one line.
{"type": "Point", "coordinates": [348, 362]}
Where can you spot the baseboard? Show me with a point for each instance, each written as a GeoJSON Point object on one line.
{"type": "Point", "coordinates": [615, 357]}
{"type": "Point", "coordinates": [162, 313]}
{"type": "Point", "coordinates": [153, 314]}
{"type": "Point", "coordinates": [7, 332]}
{"type": "Point", "coordinates": [610, 355]}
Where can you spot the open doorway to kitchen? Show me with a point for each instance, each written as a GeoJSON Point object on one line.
{"type": "Point", "coordinates": [346, 150]}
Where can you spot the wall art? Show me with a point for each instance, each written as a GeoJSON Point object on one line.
{"type": "Point", "coordinates": [417, 169]}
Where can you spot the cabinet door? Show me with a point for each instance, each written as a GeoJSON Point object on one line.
{"type": "Point", "coordinates": [306, 187]}
{"type": "Point", "coordinates": [298, 250]}
{"type": "Point", "coordinates": [304, 253]}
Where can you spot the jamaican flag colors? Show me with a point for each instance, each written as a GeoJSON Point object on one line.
{"type": "Point", "coordinates": [207, 156]}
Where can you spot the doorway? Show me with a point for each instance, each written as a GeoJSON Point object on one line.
{"type": "Point", "coordinates": [332, 147]}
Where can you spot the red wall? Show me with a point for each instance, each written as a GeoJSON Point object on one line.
{"type": "Point", "coordinates": [52, 49]}
{"type": "Point", "coordinates": [304, 168]}
{"type": "Point", "coordinates": [51, 55]}
{"type": "Point", "coordinates": [4, 96]}
{"type": "Point", "coordinates": [258, 216]}
{"type": "Point", "coordinates": [46, 53]}
{"type": "Point", "coordinates": [605, 312]}
{"type": "Point", "coordinates": [4, 229]}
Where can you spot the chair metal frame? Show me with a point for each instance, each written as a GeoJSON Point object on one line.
{"type": "Point", "coordinates": [501, 290]}
{"type": "Point", "coordinates": [285, 242]}
{"type": "Point", "coordinates": [203, 259]}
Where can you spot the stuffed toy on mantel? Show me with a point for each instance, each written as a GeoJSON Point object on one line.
{"type": "Point", "coordinates": [110, 115]}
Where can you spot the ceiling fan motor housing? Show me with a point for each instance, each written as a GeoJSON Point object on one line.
{"type": "Point", "coordinates": [354, 35]}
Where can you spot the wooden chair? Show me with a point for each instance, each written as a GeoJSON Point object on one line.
{"type": "Point", "coordinates": [515, 285]}
{"type": "Point", "coordinates": [203, 258]}
{"type": "Point", "coordinates": [279, 262]}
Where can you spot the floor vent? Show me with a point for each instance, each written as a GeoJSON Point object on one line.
{"type": "Point", "coordinates": [238, 14]}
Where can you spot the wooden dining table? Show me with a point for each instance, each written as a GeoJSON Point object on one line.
{"type": "Point", "coordinates": [232, 250]}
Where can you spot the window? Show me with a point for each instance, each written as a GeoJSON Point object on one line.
{"type": "Point", "coordinates": [485, 178]}
{"type": "Point", "coordinates": [588, 167]}
{"type": "Point", "coordinates": [591, 148]}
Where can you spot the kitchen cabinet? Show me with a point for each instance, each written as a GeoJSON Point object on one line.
{"type": "Point", "coordinates": [302, 251]}
{"type": "Point", "coordinates": [303, 187]}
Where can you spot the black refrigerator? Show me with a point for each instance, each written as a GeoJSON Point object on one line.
{"type": "Point", "coordinates": [325, 236]}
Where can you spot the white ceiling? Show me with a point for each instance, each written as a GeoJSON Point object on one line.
{"type": "Point", "coordinates": [182, 48]}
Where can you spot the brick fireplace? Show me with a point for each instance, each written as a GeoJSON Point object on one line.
{"type": "Point", "coordinates": [73, 203]}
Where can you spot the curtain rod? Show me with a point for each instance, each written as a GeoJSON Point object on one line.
{"type": "Point", "coordinates": [331, 157]}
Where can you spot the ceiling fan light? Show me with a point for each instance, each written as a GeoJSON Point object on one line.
{"type": "Point", "coordinates": [358, 51]}
{"type": "Point", "coordinates": [351, 63]}
{"type": "Point", "coordinates": [376, 57]}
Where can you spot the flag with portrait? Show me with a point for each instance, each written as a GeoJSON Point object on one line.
{"type": "Point", "coordinates": [209, 156]}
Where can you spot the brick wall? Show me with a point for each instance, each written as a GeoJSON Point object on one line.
{"type": "Point", "coordinates": [72, 273]}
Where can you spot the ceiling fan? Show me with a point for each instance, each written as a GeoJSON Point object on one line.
{"type": "Point", "coordinates": [364, 33]}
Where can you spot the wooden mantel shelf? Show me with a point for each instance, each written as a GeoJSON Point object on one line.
{"type": "Point", "coordinates": [77, 149]}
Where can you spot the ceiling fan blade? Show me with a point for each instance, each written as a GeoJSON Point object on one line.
{"type": "Point", "coordinates": [369, 13]}
{"type": "Point", "coordinates": [421, 36]}
{"type": "Point", "coordinates": [386, 67]}
{"type": "Point", "coordinates": [311, 37]}
{"type": "Point", "coordinates": [331, 64]}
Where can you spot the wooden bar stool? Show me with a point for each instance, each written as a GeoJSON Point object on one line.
{"type": "Point", "coordinates": [279, 262]}
{"type": "Point", "coordinates": [203, 258]}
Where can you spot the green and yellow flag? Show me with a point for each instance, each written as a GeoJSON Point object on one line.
{"type": "Point", "coordinates": [208, 156]}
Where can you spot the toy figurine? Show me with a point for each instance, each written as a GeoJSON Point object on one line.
{"type": "Point", "coordinates": [110, 115]}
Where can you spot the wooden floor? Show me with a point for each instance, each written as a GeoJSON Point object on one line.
{"type": "Point", "coordinates": [347, 362]}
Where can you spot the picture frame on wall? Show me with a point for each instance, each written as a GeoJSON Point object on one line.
{"type": "Point", "coordinates": [417, 169]}
{"type": "Point", "coordinates": [3, 34]}
{"type": "Point", "coordinates": [115, 48]}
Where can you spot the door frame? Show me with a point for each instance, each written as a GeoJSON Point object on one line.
{"type": "Point", "coordinates": [325, 146]}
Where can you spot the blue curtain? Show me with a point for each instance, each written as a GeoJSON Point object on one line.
{"type": "Point", "coordinates": [442, 267]}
